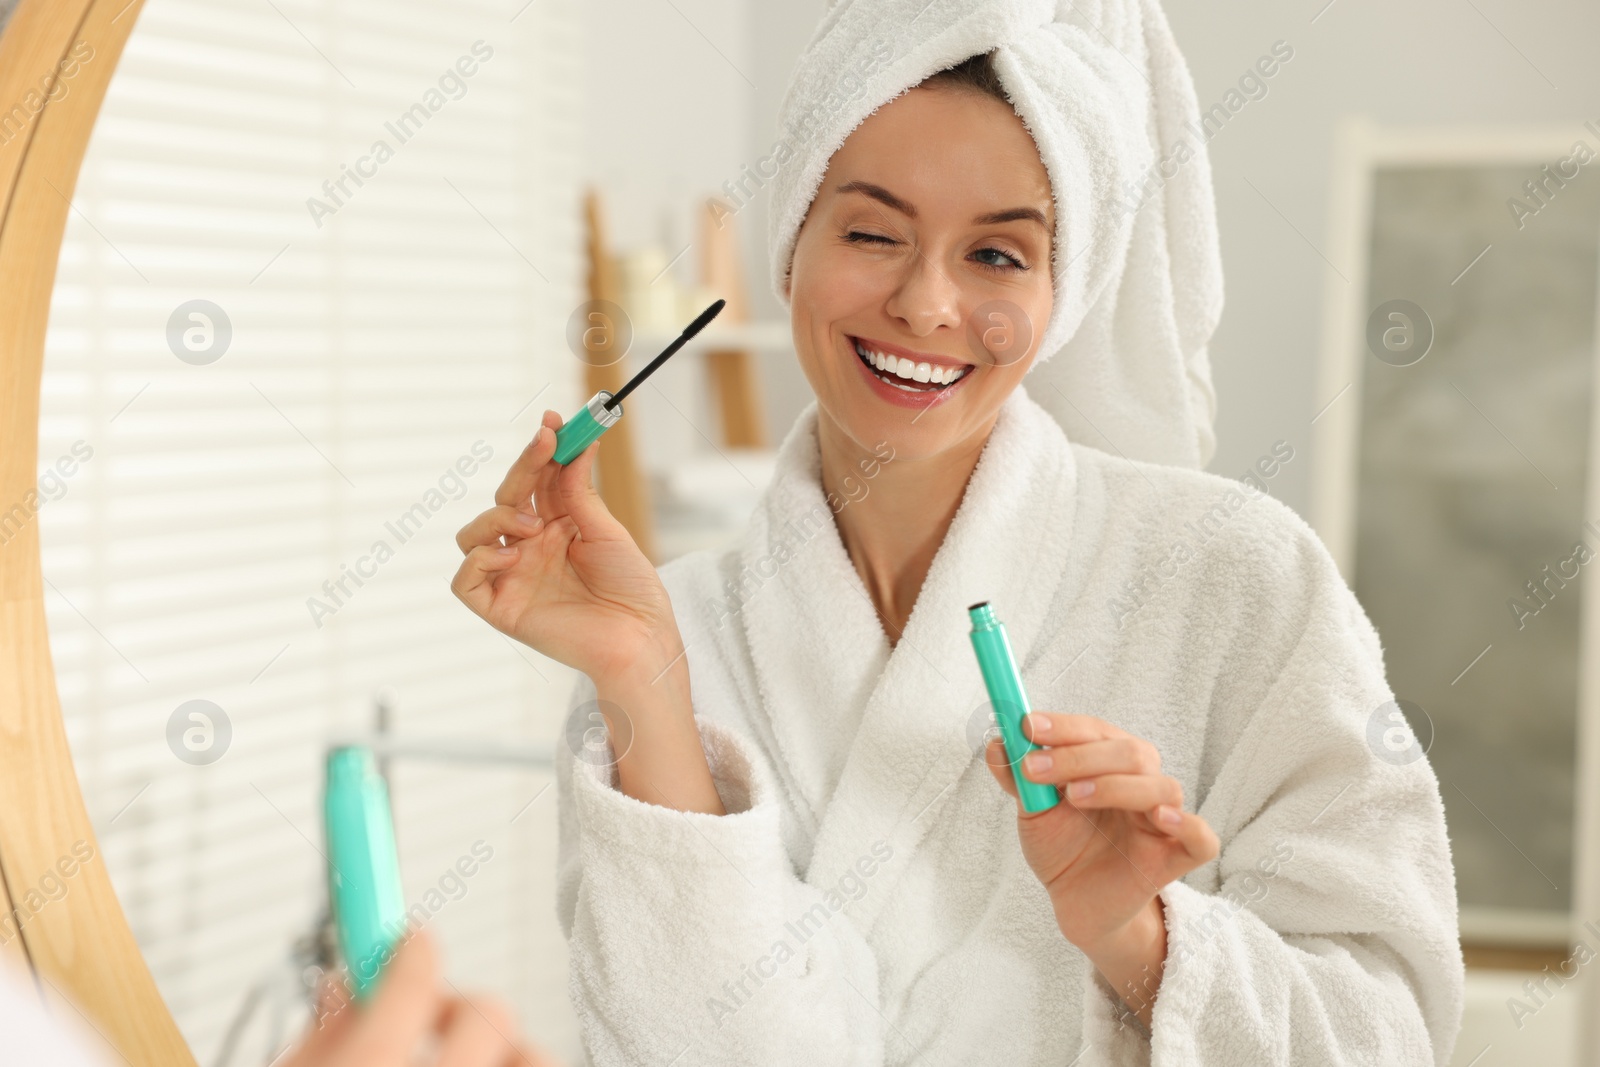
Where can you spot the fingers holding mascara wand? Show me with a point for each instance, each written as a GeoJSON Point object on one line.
{"type": "Point", "coordinates": [550, 566]}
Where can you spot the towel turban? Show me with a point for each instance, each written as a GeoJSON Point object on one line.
{"type": "Point", "coordinates": [1110, 104]}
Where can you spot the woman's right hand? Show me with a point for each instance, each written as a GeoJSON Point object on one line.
{"type": "Point", "coordinates": [569, 581]}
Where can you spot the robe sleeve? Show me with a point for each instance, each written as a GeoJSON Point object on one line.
{"type": "Point", "coordinates": [690, 937]}
{"type": "Point", "coordinates": [1326, 930]}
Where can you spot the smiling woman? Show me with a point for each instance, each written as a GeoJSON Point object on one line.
{"type": "Point", "coordinates": [950, 230]}
{"type": "Point", "coordinates": [909, 236]}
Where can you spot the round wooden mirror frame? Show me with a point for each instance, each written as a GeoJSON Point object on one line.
{"type": "Point", "coordinates": [78, 943]}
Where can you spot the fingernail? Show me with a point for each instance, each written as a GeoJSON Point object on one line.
{"type": "Point", "coordinates": [1171, 816]}
{"type": "Point", "coordinates": [1038, 725]}
{"type": "Point", "coordinates": [506, 550]}
{"type": "Point", "coordinates": [1079, 790]}
{"type": "Point", "coordinates": [1037, 762]}
{"type": "Point", "coordinates": [527, 520]}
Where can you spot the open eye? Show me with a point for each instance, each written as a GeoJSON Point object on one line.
{"type": "Point", "coordinates": [1011, 261]}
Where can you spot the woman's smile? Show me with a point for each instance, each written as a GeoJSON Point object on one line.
{"type": "Point", "coordinates": [903, 376]}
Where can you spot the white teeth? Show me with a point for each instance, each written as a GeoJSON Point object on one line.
{"type": "Point", "coordinates": [909, 371]}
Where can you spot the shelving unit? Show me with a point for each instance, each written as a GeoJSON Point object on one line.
{"type": "Point", "coordinates": [704, 500]}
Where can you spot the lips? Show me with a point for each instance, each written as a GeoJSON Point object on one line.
{"type": "Point", "coordinates": [901, 370]}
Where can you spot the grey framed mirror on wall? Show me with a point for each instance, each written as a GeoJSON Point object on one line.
{"type": "Point", "coordinates": [1455, 485]}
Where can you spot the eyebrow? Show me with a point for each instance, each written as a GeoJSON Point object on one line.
{"type": "Point", "coordinates": [906, 208]}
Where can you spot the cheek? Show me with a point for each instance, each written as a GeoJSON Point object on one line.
{"type": "Point", "coordinates": [1029, 310]}
{"type": "Point", "coordinates": [825, 289]}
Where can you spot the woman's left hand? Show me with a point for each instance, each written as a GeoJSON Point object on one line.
{"type": "Point", "coordinates": [1118, 836]}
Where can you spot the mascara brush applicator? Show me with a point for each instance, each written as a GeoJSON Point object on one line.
{"type": "Point", "coordinates": [604, 409]}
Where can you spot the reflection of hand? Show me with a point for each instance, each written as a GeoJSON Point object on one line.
{"type": "Point", "coordinates": [1104, 856]}
{"type": "Point", "coordinates": [569, 581]}
{"type": "Point", "coordinates": [411, 1021]}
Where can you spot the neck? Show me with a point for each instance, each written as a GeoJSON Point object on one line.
{"type": "Point", "coordinates": [894, 513]}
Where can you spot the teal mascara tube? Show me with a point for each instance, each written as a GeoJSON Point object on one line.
{"type": "Point", "coordinates": [1010, 702]}
{"type": "Point", "coordinates": [363, 865]}
{"type": "Point", "coordinates": [585, 428]}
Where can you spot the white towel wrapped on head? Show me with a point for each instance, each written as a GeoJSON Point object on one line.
{"type": "Point", "coordinates": [1106, 95]}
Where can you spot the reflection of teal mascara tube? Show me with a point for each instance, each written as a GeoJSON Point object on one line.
{"type": "Point", "coordinates": [604, 409]}
{"type": "Point", "coordinates": [1010, 703]}
{"type": "Point", "coordinates": [364, 867]}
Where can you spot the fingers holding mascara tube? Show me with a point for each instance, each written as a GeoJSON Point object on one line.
{"type": "Point", "coordinates": [999, 764]}
{"type": "Point", "coordinates": [569, 490]}
{"type": "Point", "coordinates": [537, 488]}
{"type": "Point", "coordinates": [574, 486]}
{"type": "Point", "coordinates": [415, 1016]}
{"type": "Point", "coordinates": [549, 566]}
{"type": "Point", "coordinates": [1121, 833]}
{"type": "Point", "coordinates": [1057, 728]}
{"type": "Point", "coordinates": [385, 1032]}
{"type": "Point", "coordinates": [520, 487]}
{"type": "Point", "coordinates": [403, 1006]}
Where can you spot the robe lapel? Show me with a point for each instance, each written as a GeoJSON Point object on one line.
{"type": "Point", "coordinates": [813, 634]}
{"type": "Point", "coordinates": [924, 702]}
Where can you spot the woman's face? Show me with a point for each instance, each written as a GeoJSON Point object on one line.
{"type": "Point", "coordinates": [929, 242]}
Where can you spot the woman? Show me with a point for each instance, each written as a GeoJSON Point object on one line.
{"type": "Point", "coordinates": [787, 853]}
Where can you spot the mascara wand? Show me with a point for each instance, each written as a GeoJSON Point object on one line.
{"type": "Point", "coordinates": [604, 409]}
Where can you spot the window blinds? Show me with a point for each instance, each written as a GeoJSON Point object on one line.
{"type": "Point", "coordinates": [311, 301]}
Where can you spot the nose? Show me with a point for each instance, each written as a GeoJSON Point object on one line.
{"type": "Point", "coordinates": [926, 298]}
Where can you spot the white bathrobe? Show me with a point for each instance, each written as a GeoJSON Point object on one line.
{"type": "Point", "coordinates": [865, 900]}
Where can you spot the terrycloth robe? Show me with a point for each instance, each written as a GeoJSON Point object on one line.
{"type": "Point", "coordinates": [865, 900]}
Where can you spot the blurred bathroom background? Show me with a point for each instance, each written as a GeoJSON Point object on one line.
{"type": "Point", "coordinates": [260, 369]}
